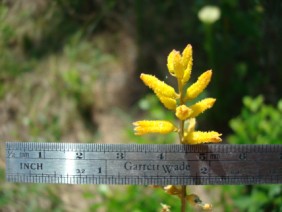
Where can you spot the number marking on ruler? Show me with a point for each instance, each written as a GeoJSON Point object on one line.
{"type": "Point", "coordinates": [69, 163]}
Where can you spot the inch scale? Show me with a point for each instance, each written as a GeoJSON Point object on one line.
{"type": "Point", "coordinates": [143, 164]}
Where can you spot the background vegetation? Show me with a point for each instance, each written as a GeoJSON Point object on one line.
{"type": "Point", "coordinates": [69, 71]}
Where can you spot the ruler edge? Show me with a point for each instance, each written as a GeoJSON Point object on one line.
{"type": "Point", "coordinates": [130, 145]}
{"type": "Point", "coordinates": [201, 148]}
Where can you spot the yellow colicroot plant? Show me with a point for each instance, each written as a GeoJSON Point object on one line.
{"type": "Point", "coordinates": [180, 66]}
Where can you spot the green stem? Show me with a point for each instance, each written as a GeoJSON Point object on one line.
{"type": "Point", "coordinates": [183, 198]}
{"type": "Point", "coordinates": [181, 124]}
{"type": "Point", "coordinates": [181, 131]}
{"type": "Point", "coordinates": [183, 187]}
{"type": "Point", "coordinates": [181, 136]}
{"type": "Point", "coordinates": [180, 90]}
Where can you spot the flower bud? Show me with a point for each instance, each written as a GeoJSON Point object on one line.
{"type": "Point", "coordinates": [199, 137]}
{"type": "Point", "coordinates": [145, 127]}
{"type": "Point", "coordinates": [159, 87]}
{"type": "Point", "coordinates": [201, 106]}
{"type": "Point", "coordinates": [183, 112]}
{"type": "Point", "coordinates": [195, 89]}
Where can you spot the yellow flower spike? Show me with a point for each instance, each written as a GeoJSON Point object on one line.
{"type": "Point", "coordinates": [146, 127]}
{"type": "Point", "coordinates": [201, 106]}
{"type": "Point", "coordinates": [187, 61]}
{"type": "Point", "coordinates": [199, 137]}
{"type": "Point", "coordinates": [180, 66]}
{"type": "Point", "coordinates": [195, 89]}
{"type": "Point", "coordinates": [169, 103]}
{"type": "Point", "coordinates": [159, 87]}
{"type": "Point", "coordinates": [183, 112]}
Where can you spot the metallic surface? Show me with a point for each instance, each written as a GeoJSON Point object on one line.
{"type": "Point", "coordinates": [150, 164]}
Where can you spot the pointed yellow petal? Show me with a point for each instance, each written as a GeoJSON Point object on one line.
{"type": "Point", "coordinates": [201, 106]}
{"type": "Point", "coordinates": [187, 61]}
{"type": "Point", "coordinates": [159, 87]}
{"type": "Point", "coordinates": [195, 89]}
{"type": "Point", "coordinates": [178, 66]}
{"type": "Point", "coordinates": [170, 60]}
{"type": "Point", "coordinates": [199, 137]}
{"type": "Point", "coordinates": [183, 112]}
{"type": "Point", "coordinates": [145, 127]}
{"type": "Point", "coordinates": [187, 73]}
{"type": "Point", "coordinates": [169, 103]}
{"type": "Point", "coordinates": [187, 55]}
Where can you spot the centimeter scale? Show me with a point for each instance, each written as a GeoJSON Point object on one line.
{"type": "Point", "coordinates": [150, 164]}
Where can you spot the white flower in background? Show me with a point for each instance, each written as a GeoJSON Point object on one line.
{"type": "Point", "coordinates": [209, 14]}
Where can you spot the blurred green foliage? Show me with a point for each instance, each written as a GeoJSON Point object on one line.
{"type": "Point", "coordinates": [258, 123]}
{"type": "Point", "coordinates": [133, 198]}
{"type": "Point", "coordinates": [8, 35]}
{"type": "Point", "coordinates": [252, 198]}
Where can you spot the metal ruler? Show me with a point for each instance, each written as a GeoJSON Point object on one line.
{"type": "Point", "coordinates": [150, 164]}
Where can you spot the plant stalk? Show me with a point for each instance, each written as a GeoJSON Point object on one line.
{"type": "Point", "coordinates": [181, 136]}
{"type": "Point", "coordinates": [183, 198]}
{"type": "Point", "coordinates": [183, 187]}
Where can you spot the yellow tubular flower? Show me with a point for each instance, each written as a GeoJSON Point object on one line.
{"type": "Point", "coordinates": [195, 89]}
{"type": "Point", "coordinates": [170, 60]}
{"type": "Point", "coordinates": [169, 103]}
{"type": "Point", "coordinates": [178, 66]}
{"type": "Point", "coordinates": [159, 87]}
{"type": "Point", "coordinates": [183, 112]}
{"type": "Point", "coordinates": [187, 55]}
{"type": "Point", "coordinates": [201, 106]}
{"type": "Point", "coordinates": [199, 137]}
{"type": "Point", "coordinates": [187, 61]}
{"type": "Point", "coordinates": [145, 127]}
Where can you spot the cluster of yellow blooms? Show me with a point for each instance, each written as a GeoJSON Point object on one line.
{"type": "Point", "coordinates": [180, 67]}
